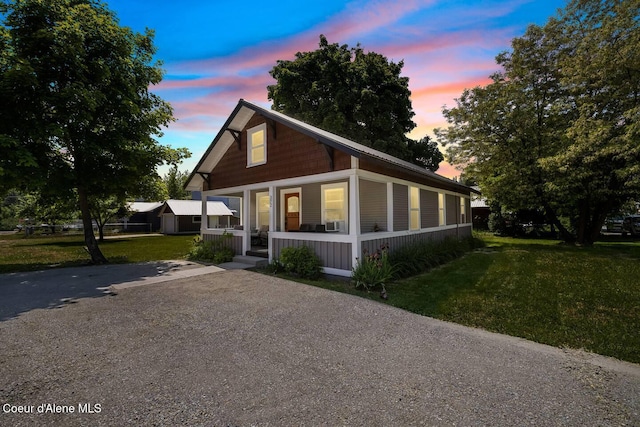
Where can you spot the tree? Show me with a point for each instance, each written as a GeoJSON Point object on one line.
{"type": "Point", "coordinates": [360, 96]}
{"type": "Point", "coordinates": [75, 90]}
{"type": "Point", "coordinates": [175, 182]}
{"type": "Point", "coordinates": [558, 128]}
{"type": "Point", "coordinates": [43, 208]}
{"type": "Point", "coordinates": [104, 210]}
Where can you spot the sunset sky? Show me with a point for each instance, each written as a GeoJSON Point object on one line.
{"type": "Point", "coordinates": [216, 52]}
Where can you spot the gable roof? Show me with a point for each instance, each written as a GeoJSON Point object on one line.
{"type": "Point", "coordinates": [194, 207]}
{"type": "Point", "coordinates": [245, 110]}
{"type": "Point", "coordinates": [144, 207]}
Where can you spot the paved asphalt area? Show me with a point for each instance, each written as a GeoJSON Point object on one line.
{"type": "Point", "coordinates": [236, 348]}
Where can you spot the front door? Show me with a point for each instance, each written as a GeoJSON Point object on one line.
{"type": "Point", "coordinates": [291, 211]}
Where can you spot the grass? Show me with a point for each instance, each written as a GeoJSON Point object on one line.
{"type": "Point", "coordinates": [540, 290]}
{"type": "Point", "coordinates": [18, 253]}
{"type": "Point", "coordinates": [565, 296]}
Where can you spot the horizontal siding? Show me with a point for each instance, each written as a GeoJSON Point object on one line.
{"type": "Point", "coordinates": [452, 204]}
{"type": "Point", "coordinates": [400, 207]}
{"type": "Point", "coordinates": [428, 209]}
{"type": "Point", "coordinates": [373, 206]}
{"type": "Point", "coordinates": [186, 224]}
{"type": "Point", "coordinates": [311, 203]}
{"type": "Point", "coordinates": [333, 254]}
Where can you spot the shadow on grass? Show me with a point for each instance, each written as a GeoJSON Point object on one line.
{"type": "Point", "coordinates": [427, 293]}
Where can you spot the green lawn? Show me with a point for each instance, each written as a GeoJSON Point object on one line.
{"type": "Point", "coordinates": [555, 294]}
{"type": "Point", "coordinates": [18, 253]}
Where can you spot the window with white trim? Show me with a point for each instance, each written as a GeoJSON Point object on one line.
{"type": "Point", "coordinates": [441, 210]}
{"type": "Point", "coordinates": [263, 205]}
{"type": "Point", "coordinates": [463, 210]}
{"type": "Point", "coordinates": [334, 207]}
{"type": "Point", "coordinates": [414, 208]}
{"type": "Point", "coordinates": [257, 145]}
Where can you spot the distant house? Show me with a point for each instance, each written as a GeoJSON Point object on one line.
{"type": "Point", "coordinates": [301, 185]}
{"type": "Point", "coordinates": [144, 217]}
{"type": "Point", "coordinates": [480, 211]}
{"type": "Point", "coordinates": [185, 216]}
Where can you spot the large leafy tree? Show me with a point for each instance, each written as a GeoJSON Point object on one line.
{"type": "Point", "coordinates": [356, 94]}
{"type": "Point", "coordinates": [558, 128]}
{"type": "Point", "coordinates": [78, 115]}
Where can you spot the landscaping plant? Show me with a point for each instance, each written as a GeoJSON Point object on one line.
{"type": "Point", "coordinates": [373, 270]}
{"type": "Point", "coordinates": [217, 251]}
{"type": "Point", "coordinates": [301, 261]}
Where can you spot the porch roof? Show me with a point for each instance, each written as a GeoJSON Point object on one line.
{"type": "Point", "coordinates": [194, 207]}
{"type": "Point", "coordinates": [245, 110]}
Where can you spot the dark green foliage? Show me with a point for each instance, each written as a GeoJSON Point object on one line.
{"type": "Point", "coordinates": [360, 96]}
{"type": "Point", "coordinates": [175, 181]}
{"type": "Point", "coordinates": [216, 251]}
{"type": "Point", "coordinates": [78, 115]}
{"type": "Point", "coordinates": [558, 128]}
{"type": "Point", "coordinates": [373, 270]}
{"type": "Point", "coordinates": [422, 255]}
{"type": "Point", "coordinates": [301, 261]}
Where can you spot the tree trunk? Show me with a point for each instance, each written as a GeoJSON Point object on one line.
{"type": "Point", "coordinates": [89, 238]}
{"type": "Point", "coordinates": [555, 221]}
{"type": "Point", "coordinates": [101, 232]}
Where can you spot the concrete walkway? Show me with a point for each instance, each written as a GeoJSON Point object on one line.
{"type": "Point", "coordinates": [240, 348]}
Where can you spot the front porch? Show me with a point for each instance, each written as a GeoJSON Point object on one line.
{"type": "Point", "coordinates": [338, 214]}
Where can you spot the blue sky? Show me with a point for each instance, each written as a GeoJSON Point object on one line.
{"type": "Point", "coordinates": [216, 52]}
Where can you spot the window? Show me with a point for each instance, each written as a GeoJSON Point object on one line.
{"type": "Point", "coordinates": [263, 204]}
{"type": "Point", "coordinates": [334, 207]}
{"type": "Point", "coordinates": [257, 145]}
{"type": "Point", "coordinates": [441, 213]}
{"type": "Point", "coordinates": [463, 210]}
{"type": "Point", "coordinates": [414, 208]}
{"type": "Point", "coordinates": [196, 219]}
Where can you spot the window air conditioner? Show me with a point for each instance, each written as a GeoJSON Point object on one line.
{"type": "Point", "coordinates": [334, 226]}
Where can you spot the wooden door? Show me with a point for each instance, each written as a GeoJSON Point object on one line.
{"type": "Point", "coordinates": [292, 211]}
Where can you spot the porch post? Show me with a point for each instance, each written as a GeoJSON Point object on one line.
{"type": "Point", "coordinates": [389, 206]}
{"type": "Point", "coordinates": [246, 221]}
{"type": "Point", "coordinates": [272, 221]}
{"type": "Point", "coordinates": [354, 216]}
{"type": "Point", "coordinates": [204, 222]}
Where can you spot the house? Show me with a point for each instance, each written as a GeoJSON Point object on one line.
{"type": "Point", "coordinates": [480, 211]}
{"type": "Point", "coordinates": [186, 216]}
{"type": "Point", "coordinates": [307, 186]}
{"type": "Point", "coordinates": [144, 217]}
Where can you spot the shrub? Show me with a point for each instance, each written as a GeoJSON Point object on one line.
{"type": "Point", "coordinates": [216, 251]}
{"type": "Point", "coordinates": [422, 255]}
{"type": "Point", "coordinates": [373, 270]}
{"type": "Point", "coordinates": [301, 261]}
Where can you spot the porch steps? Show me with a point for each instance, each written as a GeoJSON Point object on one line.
{"type": "Point", "coordinates": [241, 262]}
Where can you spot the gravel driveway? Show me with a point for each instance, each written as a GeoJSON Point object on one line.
{"type": "Point", "coordinates": [237, 348]}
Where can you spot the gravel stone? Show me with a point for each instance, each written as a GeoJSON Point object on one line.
{"type": "Point", "coordinates": [237, 348]}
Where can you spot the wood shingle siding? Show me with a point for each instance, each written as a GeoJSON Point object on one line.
{"type": "Point", "coordinates": [283, 158]}
{"type": "Point", "coordinates": [373, 205]}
